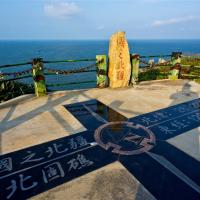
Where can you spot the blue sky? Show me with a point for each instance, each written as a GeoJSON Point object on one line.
{"type": "Point", "coordinates": [98, 19]}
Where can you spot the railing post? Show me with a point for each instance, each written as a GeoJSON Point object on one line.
{"type": "Point", "coordinates": [135, 61]}
{"type": "Point", "coordinates": [102, 71]}
{"type": "Point", "coordinates": [175, 70]}
{"type": "Point", "coordinates": [38, 77]}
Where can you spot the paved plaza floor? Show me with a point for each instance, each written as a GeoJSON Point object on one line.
{"type": "Point", "coordinates": [140, 142]}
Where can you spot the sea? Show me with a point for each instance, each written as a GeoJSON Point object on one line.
{"type": "Point", "coordinates": [24, 51]}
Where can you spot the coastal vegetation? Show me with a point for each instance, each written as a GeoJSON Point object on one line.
{"type": "Point", "coordinates": [191, 60]}
{"type": "Point", "coordinates": [12, 89]}
{"type": "Point", "coordinates": [190, 69]}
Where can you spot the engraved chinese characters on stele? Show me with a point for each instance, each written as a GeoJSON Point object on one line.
{"type": "Point", "coordinates": [125, 138]}
{"type": "Point", "coordinates": [119, 61]}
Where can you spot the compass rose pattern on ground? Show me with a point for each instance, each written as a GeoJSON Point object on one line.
{"type": "Point", "coordinates": [138, 143]}
{"type": "Point", "coordinates": [124, 138]}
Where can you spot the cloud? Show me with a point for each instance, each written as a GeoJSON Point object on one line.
{"type": "Point", "coordinates": [61, 9]}
{"type": "Point", "coordinates": [174, 21]}
{"type": "Point", "coordinates": [101, 27]}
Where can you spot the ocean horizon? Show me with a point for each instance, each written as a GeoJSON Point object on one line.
{"type": "Point", "coordinates": [19, 51]}
{"type": "Point", "coordinates": [25, 50]}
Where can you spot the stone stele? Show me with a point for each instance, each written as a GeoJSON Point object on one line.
{"type": "Point", "coordinates": [119, 61]}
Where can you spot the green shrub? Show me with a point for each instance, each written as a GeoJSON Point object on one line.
{"type": "Point", "coordinates": [152, 74]}
{"type": "Point", "coordinates": [12, 89]}
{"type": "Point", "coordinates": [190, 61]}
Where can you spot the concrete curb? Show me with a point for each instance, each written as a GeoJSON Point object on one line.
{"type": "Point", "coordinates": [16, 100]}
{"type": "Point", "coordinates": [163, 80]}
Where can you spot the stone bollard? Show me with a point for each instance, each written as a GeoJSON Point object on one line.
{"type": "Point", "coordinates": [38, 77]}
{"type": "Point", "coordinates": [102, 78]}
{"type": "Point", "coordinates": [175, 70]}
{"type": "Point", "coordinates": [119, 61]}
{"type": "Point", "coordinates": [135, 60]}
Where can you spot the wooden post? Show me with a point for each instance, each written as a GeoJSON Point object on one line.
{"type": "Point", "coordinates": [2, 85]}
{"type": "Point", "coordinates": [135, 61]}
{"type": "Point", "coordinates": [38, 77]}
{"type": "Point", "coordinates": [175, 70]}
{"type": "Point", "coordinates": [102, 78]}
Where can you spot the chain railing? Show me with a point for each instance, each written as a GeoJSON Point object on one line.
{"type": "Point", "coordinates": [72, 71]}
{"type": "Point", "coordinates": [86, 69]}
{"type": "Point", "coordinates": [166, 66]}
{"type": "Point", "coordinates": [38, 72]}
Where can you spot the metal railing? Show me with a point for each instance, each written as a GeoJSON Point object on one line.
{"type": "Point", "coordinates": [38, 70]}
